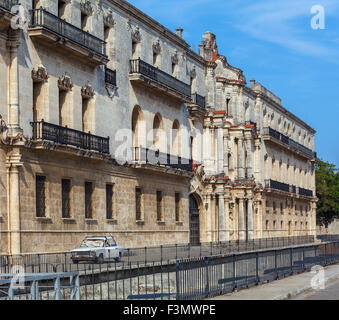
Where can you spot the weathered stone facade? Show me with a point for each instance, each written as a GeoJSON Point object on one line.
{"type": "Point", "coordinates": [250, 171]}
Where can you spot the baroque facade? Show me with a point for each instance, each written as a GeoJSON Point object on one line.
{"type": "Point", "coordinates": [110, 123]}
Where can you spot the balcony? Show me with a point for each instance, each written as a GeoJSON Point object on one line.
{"type": "Point", "coordinates": [157, 158]}
{"type": "Point", "coordinates": [272, 184]}
{"type": "Point", "coordinates": [305, 192]}
{"type": "Point", "coordinates": [66, 136]}
{"type": "Point", "coordinates": [64, 37]}
{"type": "Point", "coordinates": [152, 77]}
{"type": "Point", "coordinates": [5, 12]}
{"type": "Point", "coordinates": [198, 100]}
{"type": "Point", "coordinates": [288, 143]}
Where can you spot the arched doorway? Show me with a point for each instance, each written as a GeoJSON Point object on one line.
{"type": "Point", "coordinates": [194, 221]}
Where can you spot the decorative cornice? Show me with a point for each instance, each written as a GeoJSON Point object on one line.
{"type": "Point", "coordinates": [40, 75]}
{"type": "Point", "coordinates": [65, 83]}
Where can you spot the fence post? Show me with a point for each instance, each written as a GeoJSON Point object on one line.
{"type": "Point", "coordinates": [275, 264]}
{"type": "Point", "coordinates": [207, 288]}
{"type": "Point", "coordinates": [145, 255]}
{"type": "Point", "coordinates": [234, 271]}
{"type": "Point", "coordinates": [161, 254]}
{"type": "Point", "coordinates": [178, 297]}
{"type": "Point", "coordinates": [257, 267]}
{"type": "Point", "coordinates": [303, 251]}
{"type": "Point", "coordinates": [291, 260]}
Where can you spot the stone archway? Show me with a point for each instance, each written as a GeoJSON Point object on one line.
{"type": "Point", "coordinates": [194, 220]}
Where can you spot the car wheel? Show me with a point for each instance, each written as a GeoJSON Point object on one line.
{"type": "Point", "coordinates": [100, 259]}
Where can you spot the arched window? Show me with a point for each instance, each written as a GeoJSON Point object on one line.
{"type": "Point", "coordinates": [176, 139]}
{"type": "Point", "coordinates": [158, 138]}
{"type": "Point", "coordinates": [138, 127]}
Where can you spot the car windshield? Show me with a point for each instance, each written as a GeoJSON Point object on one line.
{"type": "Point", "coordinates": [92, 243]}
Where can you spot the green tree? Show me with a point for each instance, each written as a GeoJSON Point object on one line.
{"type": "Point", "coordinates": [327, 187]}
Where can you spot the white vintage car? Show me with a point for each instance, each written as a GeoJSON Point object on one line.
{"type": "Point", "coordinates": [98, 250]}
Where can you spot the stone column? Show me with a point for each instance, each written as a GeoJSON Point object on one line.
{"type": "Point", "coordinates": [14, 109]}
{"type": "Point", "coordinates": [13, 164]}
{"type": "Point", "coordinates": [220, 153]}
{"type": "Point", "coordinates": [208, 217]}
{"type": "Point", "coordinates": [240, 158]}
{"type": "Point", "coordinates": [227, 220]}
{"type": "Point", "coordinates": [249, 158]}
{"type": "Point", "coordinates": [222, 230]}
{"type": "Point", "coordinates": [257, 163]}
{"type": "Point", "coordinates": [241, 220]}
{"type": "Point", "coordinates": [225, 155]}
{"type": "Point", "coordinates": [250, 219]}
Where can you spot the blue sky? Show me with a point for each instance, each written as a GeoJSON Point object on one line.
{"type": "Point", "coordinates": [273, 43]}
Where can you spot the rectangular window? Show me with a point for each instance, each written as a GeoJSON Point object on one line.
{"type": "Point", "coordinates": [66, 198]}
{"type": "Point", "coordinates": [177, 206]}
{"type": "Point", "coordinates": [88, 200]}
{"type": "Point", "coordinates": [109, 201]}
{"type": "Point", "coordinates": [159, 206]}
{"type": "Point", "coordinates": [138, 198]}
{"type": "Point", "coordinates": [40, 183]}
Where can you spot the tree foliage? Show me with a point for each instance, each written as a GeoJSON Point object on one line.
{"type": "Point", "coordinates": [327, 188]}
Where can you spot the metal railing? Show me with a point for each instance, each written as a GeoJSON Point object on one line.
{"type": "Point", "coordinates": [212, 276]}
{"type": "Point", "coordinates": [8, 4]}
{"type": "Point", "coordinates": [155, 157]}
{"type": "Point", "coordinates": [183, 278]}
{"type": "Point", "coordinates": [110, 76]}
{"type": "Point", "coordinates": [288, 141]}
{"type": "Point", "coordinates": [272, 184]}
{"type": "Point", "coordinates": [305, 192]}
{"type": "Point", "coordinates": [142, 67]}
{"type": "Point", "coordinates": [199, 100]}
{"type": "Point", "coordinates": [42, 18]}
{"type": "Point", "coordinates": [46, 131]}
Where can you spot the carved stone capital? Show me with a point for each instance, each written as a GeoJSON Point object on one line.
{"type": "Point", "coordinates": [65, 83]}
{"type": "Point", "coordinates": [87, 91]}
{"type": "Point", "coordinates": [86, 7]}
{"type": "Point", "coordinates": [40, 75]}
{"type": "Point", "coordinates": [156, 47]}
{"type": "Point", "coordinates": [108, 19]}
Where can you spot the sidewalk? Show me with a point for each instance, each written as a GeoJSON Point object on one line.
{"type": "Point", "coordinates": [282, 289]}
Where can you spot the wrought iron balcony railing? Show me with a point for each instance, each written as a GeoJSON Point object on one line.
{"type": "Point", "coordinates": [199, 100]}
{"type": "Point", "coordinates": [293, 189]}
{"type": "Point", "coordinates": [8, 4]}
{"type": "Point", "coordinates": [288, 141]}
{"type": "Point", "coordinates": [305, 192]}
{"type": "Point", "coordinates": [111, 76]}
{"type": "Point", "coordinates": [42, 18]}
{"type": "Point", "coordinates": [142, 67]}
{"type": "Point", "coordinates": [63, 135]}
{"type": "Point", "coordinates": [272, 184]}
{"type": "Point", "coordinates": [155, 157]}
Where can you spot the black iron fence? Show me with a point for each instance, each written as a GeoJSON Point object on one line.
{"type": "Point", "coordinates": [272, 184]}
{"type": "Point", "coordinates": [288, 141]}
{"type": "Point", "coordinates": [42, 18]}
{"type": "Point", "coordinates": [155, 157]}
{"type": "Point", "coordinates": [198, 100]}
{"type": "Point", "coordinates": [211, 276]}
{"type": "Point", "coordinates": [62, 262]}
{"type": "Point", "coordinates": [181, 279]}
{"type": "Point", "coordinates": [111, 76]}
{"type": "Point", "coordinates": [8, 4]}
{"type": "Point", "coordinates": [142, 67]}
{"type": "Point", "coordinates": [47, 131]}
{"type": "Point", "coordinates": [305, 192]}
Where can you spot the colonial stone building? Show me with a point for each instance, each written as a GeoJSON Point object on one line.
{"type": "Point", "coordinates": [110, 123]}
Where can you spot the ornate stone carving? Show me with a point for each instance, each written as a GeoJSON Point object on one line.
{"type": "Point", "coordinates": [108, 19]}
{"type": "Point", "coordinates": [136, 36]}
{"type": "Point", "coordinates": [65, 83]}
{"type": "Point", "coordinates": [193, 73]}
{"type": "Point", "coordinates": [86, 7]}
{"type": "Point", "coordinates": [40, 75]}
{"type": "Point", "coordinates": [175, 58]}
{"type": "Point", "coordinates": [111, 90]}
{"type": "Point", "coordinates": [128, 24]}
{"type": "Point", "coordinates": [87, 91]}
{"type": "Point", "coordinates": [99, 7]}
{"type": "Point", "coordinates": [156, 47]}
